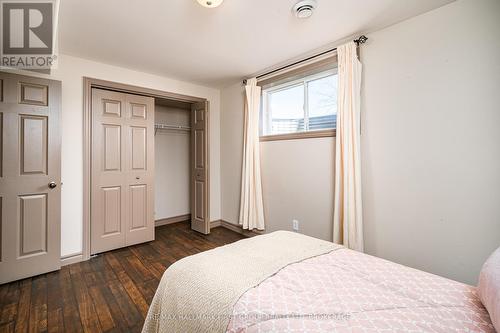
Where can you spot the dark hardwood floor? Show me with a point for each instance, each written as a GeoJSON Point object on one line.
{"type": "Point", "coordinates": [109, 293]}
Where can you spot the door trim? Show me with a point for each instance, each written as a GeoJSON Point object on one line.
{"type": "Point", "coordinates": [88, 84]}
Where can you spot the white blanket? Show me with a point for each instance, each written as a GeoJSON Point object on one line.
{"type": "Point", "coordinates": [197, 293]}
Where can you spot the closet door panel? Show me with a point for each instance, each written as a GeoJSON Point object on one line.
{"type": "Point", "coordinates": [140, 166]}
{"type": "Point", "coordinates": [122, 203]}
{"type": "Point", "coordinates": [112, 147]}
{"type": "Point", "coordinates": [138, 207]}
{"type": "Point", "coordinates": [139, 147]}
{"type": "Point", "coordinates": [200, 216]}
{"type": "Point", "coordinates": [199, 202]}
{"type": "Point", "coordinates": [139, 110]}
{"type": "Point", "coordinates": [199, 158]}
{"type": "Point", "coordinates": [108, 190]}
{"type": "Point", "coordinates": [112, 107]}
{"type": "Point", "coordinates": [112, 210]}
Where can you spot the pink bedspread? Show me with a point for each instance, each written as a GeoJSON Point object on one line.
{"type": "Point", "coordinates": [347, 291]}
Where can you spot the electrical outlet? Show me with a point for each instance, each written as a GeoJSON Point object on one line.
{"type": "Point", "coordinates": [295, 225]}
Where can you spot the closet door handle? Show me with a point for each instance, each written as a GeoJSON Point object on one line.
{"type": "Point", "coordinates": [137, 177]}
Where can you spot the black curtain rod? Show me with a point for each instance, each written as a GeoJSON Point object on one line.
{"type": "Point", "coordinates": [360, 40]}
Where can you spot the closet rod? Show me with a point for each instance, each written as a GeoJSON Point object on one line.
{"type": "Point", "coordinates": [172, 127]}
{"type": "Point", "coordinates": [360, 40]}
{"type": "Point", "coordinates": [178, 127]}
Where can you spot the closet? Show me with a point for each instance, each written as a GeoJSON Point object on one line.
{"type": "Point", "coordinates": [149, 166]}
{"type": "Point", "coordinates": [172, 162]}
{"type": "Point", "coordinates": [182, 173]}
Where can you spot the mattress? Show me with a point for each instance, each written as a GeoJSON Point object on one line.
{"type": "Point", "coordinates": [348, 291]}
{"type": "Point", "coordinates": [197, 293]}
{"type": "Point", "coordinates": [287, 282]}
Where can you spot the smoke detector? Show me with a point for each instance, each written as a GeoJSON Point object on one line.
{"type": "Point", "coordinates": [304, 8]}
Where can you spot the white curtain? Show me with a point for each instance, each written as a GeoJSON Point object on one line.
{"type": "Point", "coordinates": [348, 217]}
{"type": "Point", "coordinates": [251, 206]}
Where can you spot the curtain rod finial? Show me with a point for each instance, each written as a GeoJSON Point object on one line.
{"type": "Point", "coordinates": [361, 40]}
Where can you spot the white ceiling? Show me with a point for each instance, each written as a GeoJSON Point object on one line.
{"type": "Point", "coordinates": [181, 39]}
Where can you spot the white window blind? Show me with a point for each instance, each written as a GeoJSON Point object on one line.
{"type": "Point", "coordinates": [306, 103]}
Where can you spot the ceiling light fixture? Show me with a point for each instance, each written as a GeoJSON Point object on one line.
{"type": "Point", "coordinates": [210, 3]}
{"type": "Point", "coordinates": [304, 8]}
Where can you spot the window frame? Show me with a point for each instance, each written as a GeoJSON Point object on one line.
{"type": "Point", "coordinates": [306, 134]}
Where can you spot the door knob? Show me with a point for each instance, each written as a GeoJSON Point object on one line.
{"type": "Point", "coordinates": [52, 185]}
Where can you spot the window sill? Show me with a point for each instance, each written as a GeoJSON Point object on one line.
{"type": "Point", "coordinates": [301, 135]}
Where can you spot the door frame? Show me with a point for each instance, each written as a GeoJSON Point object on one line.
{"type": "Point", "coordinates": [88, 84]}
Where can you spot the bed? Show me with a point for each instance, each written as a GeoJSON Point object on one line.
{"type": "Point", "coordinates": [287, 282]}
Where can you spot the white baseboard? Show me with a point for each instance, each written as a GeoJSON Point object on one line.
{"type": "Point", "coordinates": [173, 219]}
{"type": "Point", "coordinates": [215, 224]}
{"type": "Point", "coordinates": [78, 257]}
{"type": "Point", "coordinates": [71, 259]}
{"type": "Point", "coordinates": [236, 228]}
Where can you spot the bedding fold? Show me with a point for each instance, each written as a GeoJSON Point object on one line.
{"type": "Point", "coordinates": [197, 293]}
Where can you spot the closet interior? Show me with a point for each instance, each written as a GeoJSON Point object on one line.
{"type": "Point", "coordinates": [172, 133]}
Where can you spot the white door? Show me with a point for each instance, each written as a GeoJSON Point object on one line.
{"type": "Point", "coordinates": [122, 176]}
{"type": "Point", "coordinates": [30, 176]}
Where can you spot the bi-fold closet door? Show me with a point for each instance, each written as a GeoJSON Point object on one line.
{"type": "Point", "coordinates": [200, 183]}
{"type": "Point", "coordinates": [122, 170]}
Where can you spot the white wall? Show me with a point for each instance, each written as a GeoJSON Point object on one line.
{"type": "Point", "coordinates": [71, 71]}
{"type": "Point", "coordinates": [430, 146]}
{"type": "Point", "coordinates": [297, 175]}
{"type": "Point", "coordinates": [172, 164]}
{"type": "Point", "coordinates": [297, 178]}
{"type": "Point", "coordinates": [231, 146]}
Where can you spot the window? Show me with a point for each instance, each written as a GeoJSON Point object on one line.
{"type": "Point", "coordinates": [300, 106]}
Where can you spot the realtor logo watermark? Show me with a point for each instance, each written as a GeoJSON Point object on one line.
{"type": "Point", "coordinates": [27, 34]}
